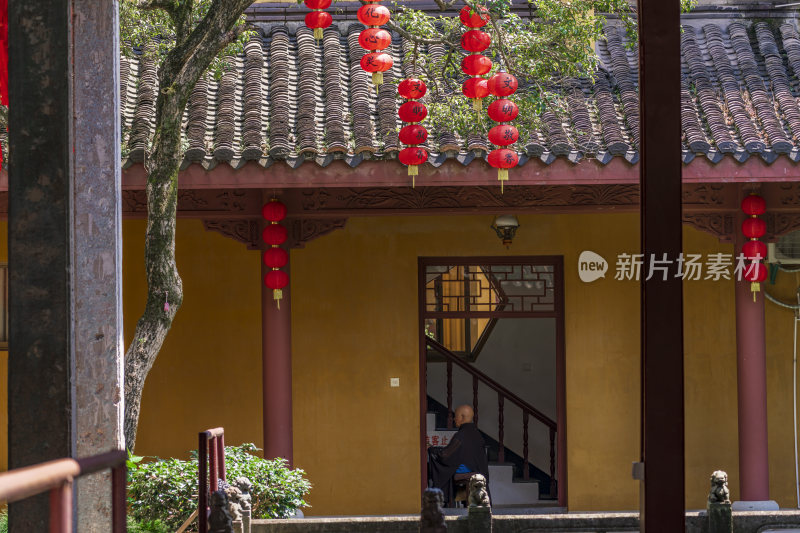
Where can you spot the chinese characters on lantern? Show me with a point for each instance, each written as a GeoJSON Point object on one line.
{"type": "Point", "coordinates": [413, 134]}
{"type": "Point", "coordinates": [374, 40]}
{"type": "Point", "coordinates": [503, 135]}
{"type": "Point", "coordinates": [275, 257]}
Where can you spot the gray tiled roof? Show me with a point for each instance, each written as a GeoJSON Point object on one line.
{"type": "Point", "coordinates": [289, 98]}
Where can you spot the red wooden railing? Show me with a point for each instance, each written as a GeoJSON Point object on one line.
{"type": "Point", "coordinates": [503, 394]}
{"type": "Point", "coordinates": [57, 477]}
{"type": "Point", "coordinates": [211, 452]}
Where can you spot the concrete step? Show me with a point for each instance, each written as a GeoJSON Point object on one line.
{"type": "Point", "coordinates": [507, 491]}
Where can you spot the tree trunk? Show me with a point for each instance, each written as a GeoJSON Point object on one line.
{"type": "Point", "coordinates": [179, 73]}
{"type": "Point", "coordinates": [164, 285]}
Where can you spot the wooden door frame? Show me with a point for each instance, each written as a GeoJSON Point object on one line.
{"type": "Point", "coordinates": [557, 261]}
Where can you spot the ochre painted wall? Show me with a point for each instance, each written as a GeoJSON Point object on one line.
{"type": "Point", "coordinates": [354, 314]}
{"type": "Point", "coordinates": [208, 373]}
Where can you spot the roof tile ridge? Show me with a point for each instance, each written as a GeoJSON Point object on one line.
{"type": "Point", "coordinates": [706, 93]}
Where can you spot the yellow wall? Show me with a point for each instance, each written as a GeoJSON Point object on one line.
{"type": "Point", "coordinates": [208, 373]}
{"type": "Point", "coordinates": [354, 314]}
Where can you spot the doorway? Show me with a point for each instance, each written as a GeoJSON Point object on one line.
{"type": "Point", "coordinates": [491, 335]}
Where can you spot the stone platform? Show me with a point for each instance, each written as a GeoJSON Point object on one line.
{"type": "Point", "coordinates": [696, 522]}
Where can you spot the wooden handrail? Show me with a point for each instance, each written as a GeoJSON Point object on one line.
{"type": "Point", "coordinates": [57, 476]}
{"type": "Point", "coordinates": [210, 456]}
{"type": "Point", "coordinates": [519, 402]}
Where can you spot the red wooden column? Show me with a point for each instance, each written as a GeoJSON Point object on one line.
{"type": "Point", "coordinates": [662, 490]}
{"type": "Point", "coordinates": [276, 350]}
{"type": "Point", "coordinates": [751, 352]}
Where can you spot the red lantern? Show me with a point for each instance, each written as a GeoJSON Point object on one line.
{"type": "Point", "coordinates": [274, 234]}
{"type": "Point", "coordinates": [318, 20]}
{"type": "Point", "coordinates": [755, 272]}
{"type": "Point", "coordinates": [754, 250]}
{"type": "Point", "coordinates": [503, 84]}
{"type": "Point", "coordinates": [503, 135]}
{"type": "Point", "coordinates": [276, 280]}
{"type": "Point", "coordinates": [476, 64]}
{"type": "Point", "coordinates": [412, 157]}
{"type": "Point", "coordinates": [276, 257]}
{"type": "Point", "coordinates": [274, 211]}
{"type": "Point", "coordinates": [753, 228]}
{"type": "Point", "coordinates": [754, 205]}
{"type": "Point", "coordinates": [318, 4]}
{"type": "Point", "coordinates": [472, 18]}
{"type": "Point", "coordinates": [374, 39]}
{"type": "Point", "coordinates": [377, 63]}
{"type": "Point", "coordinates": [412, 88]}
{"type": "Point", "coordinates": [475, 88]}
{"type": "Point", "coordinates": [475, 41]}
{"type": "Point", "coordinates": [502, 159]}
{"type": "Point", "coordinates": [503, 110]}
{"type": "Point", "coordinates": [412, 112]}
{"type": "Point", "coordinates": [373, 15]}
{"type": "Point", "coordinates": [413, 134]}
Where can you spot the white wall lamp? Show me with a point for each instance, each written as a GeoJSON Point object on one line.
{"type": "Point", "coordinates": [506, 228]}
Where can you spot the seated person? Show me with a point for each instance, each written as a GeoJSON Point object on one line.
{"type": "Point", "coordinates": [465, 453]}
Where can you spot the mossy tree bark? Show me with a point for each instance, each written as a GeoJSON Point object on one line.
{"type": "Point", "coordinates": [187, 61]}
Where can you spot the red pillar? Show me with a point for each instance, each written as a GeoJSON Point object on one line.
{"type": "Point", "coordinates": [752, 388]}
{"type": "Point", "coordinates": [276, 350]}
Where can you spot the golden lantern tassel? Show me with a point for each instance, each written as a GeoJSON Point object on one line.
{"type": "Point", "coordinates": [477, 104]}
{"type": "Point", "coordinates": [754, 288]}
{"type": "Point", "coordinates": [502, 175]}
{"type": "Point", "coordinates": [277, 295]}
{"type": "Point", "coordinates": [377, 79]}
{"type": "Point", "coordinates": [317, 34]}
{"type": "Point", "coordinates": [413, 171]}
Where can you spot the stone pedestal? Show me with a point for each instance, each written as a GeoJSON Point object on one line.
{"type": "Point", "coordinates": [246, 520]}
{"type": "Point", "coordinates": [238, 526]}
{"type": "Point", "coordinates": [480, 519]}
{"type": "Point", "coordinates": [720, 519]}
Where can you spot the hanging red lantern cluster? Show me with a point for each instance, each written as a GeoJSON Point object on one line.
{"type": "Point", "coordinates": [318, 19]}
{"type": "Point", "coordinates": [476, 65]}
{"type": "Point", "coordinates": [412, 112]}
{"type": "Point", "coordinates": [375, 39]}
{"type": "Point", "coordinates": [275, 257]}
{"type": "Point", "coordinates": [503, 110]}
{"type": "Point", "coordinates": [754, 250]}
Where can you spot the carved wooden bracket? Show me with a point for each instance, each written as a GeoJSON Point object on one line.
{"type": "Point", "coordinates": [304, 230]}
{"type": "Point", "coordinates": [245, 231]}
{"type": "Point", "coordinates": [248, 232]}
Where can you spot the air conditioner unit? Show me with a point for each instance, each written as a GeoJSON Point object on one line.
{"type": "Point", "coordinates": [786, 251]}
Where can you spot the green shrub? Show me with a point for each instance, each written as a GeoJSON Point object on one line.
{"type": "Point", "coordinates": [4, 521]}
{"type": "Point", "coordinates": [156, 526]}
{"type": "Point", "coordinates": [166, 489]}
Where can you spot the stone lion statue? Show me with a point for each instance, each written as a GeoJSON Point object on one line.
{"type": "Point", "coordinates": [219, 521]}
{"type": "Point", "coordinates": [432, 519]}
{"type": "Point", "coordinates": [245, 486]}
{"type": "Point", "coordinates": [719, 488]}
{"type": "Point", "coordinates": [478, 495]}
{"type": "Point", "coordinates": [234, 502]}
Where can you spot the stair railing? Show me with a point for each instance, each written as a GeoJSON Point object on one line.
{"type": "Point", "coordinates": [503, 394]}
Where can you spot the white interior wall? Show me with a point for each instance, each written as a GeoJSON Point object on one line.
{"type": "Point", "coordinates": [520, 355]}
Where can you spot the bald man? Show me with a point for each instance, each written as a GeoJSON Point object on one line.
{"type": "Point", "coordinates": [465, 453]}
